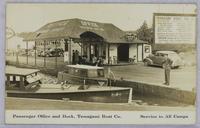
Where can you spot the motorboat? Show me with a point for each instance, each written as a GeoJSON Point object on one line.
{"type": "Point", "coordinates": [26, 83]}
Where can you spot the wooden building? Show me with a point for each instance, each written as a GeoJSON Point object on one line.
{"type": "Point", "coordinates": [90, 39]}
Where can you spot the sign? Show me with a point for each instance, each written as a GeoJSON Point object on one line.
{"type": "Point", "coordinates": [130, 36]}
{"type": "Point", "coordinates": [174, 28]}
{"type": "Point", "coordinates": [90, 26]}
{"type": "Point", "coordinates": [147, 49]}
{"type": "Point", "coordinates": [9, 33]}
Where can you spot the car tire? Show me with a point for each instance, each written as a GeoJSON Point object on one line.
{"type": "Point", "coordinates": [163, 65]}
{"type": "Point", "coordinates": [146, 63]}
{"type": "Point", "coordinates": [175, 67]}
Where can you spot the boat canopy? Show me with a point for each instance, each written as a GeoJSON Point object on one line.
{"type": "Point", "coordinates": [20, 71]}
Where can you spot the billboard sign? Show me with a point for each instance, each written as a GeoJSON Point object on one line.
{"type": "Point", "coordinates": [174, 28]}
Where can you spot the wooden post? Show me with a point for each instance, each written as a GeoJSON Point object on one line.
{"type": "Point", "coordinates": [26, 52]}
{"type": "Point", "coordinates": [108, 53]}
{"type": "Point", "coordinates": [56, 55]}
{"type": "Point", "coordinates": [44, 53]}
{"type": "Point", "coordinates": [8, 80]}
{"type": "Point", "coordinates": [35, 54]}
{"type": "Point", "coordinates": [17, 55]}
{"type": "Point", "coordinates": [81, 49]}
{"type": "Point", "coordinates": [70, 51]}
{"type": "Point", "coordinates": [17, 58]}
{"type": "Point", "coordinates": [90, 52]}
{"type": "Point", "coordinates": [14, 78]}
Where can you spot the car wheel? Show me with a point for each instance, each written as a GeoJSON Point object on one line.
{"type": "Point", "coordinates": [175, 67]}
{"type": "Point", "coordinates": [146, 63]}
{"type": "Point", "coordinates": [163, 65]}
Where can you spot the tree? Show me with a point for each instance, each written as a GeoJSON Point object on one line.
{"type": "Point", "coordinates": [144, 33]}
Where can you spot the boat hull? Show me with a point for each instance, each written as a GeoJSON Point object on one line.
{"type": "Point", "coordinates": [120, 95]}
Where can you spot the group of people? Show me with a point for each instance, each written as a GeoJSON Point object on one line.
{"type": "Point", "coordinates": [97, 61]}
{"type": "Point", "coordinates": [77, 59]}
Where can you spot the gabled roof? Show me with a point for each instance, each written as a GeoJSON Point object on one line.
{"type": "Point", "coordinates": [73, 28]}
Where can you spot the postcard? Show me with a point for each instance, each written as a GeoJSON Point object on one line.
{"type": "Point", "coordinates": [90, 63]}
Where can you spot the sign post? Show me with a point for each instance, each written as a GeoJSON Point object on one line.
{"type": "Point", "coordinates": [17, 54]}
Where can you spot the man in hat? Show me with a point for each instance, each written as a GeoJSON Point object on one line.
{"type": "Point", "coordinates": [167, 67]}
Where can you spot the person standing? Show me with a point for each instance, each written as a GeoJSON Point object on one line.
{"type": "Point", "coordinates": [94, 60]}
{"type": "Point", "coordinates": [167, 68]}
{"type": "Point", "coordinates": [73, 57]}
{"type": "Point", "coordinates": [110, 78]}
{"type": "Point", "coordinates": [76, 57]}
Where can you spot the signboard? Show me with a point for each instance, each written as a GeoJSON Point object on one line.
{"type": "Point", "coordinates": [9, 33]}
{"type": "Point", "coordinates": [174, 28]}
{"type": "Point", "coordinates": [90, 26]}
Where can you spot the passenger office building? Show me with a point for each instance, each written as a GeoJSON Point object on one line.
{"type": "Point", "coordinates": [90, 39]}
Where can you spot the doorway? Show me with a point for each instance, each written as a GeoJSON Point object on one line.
{"type": "Point", "coordinates": [123, 52]}
{"type": "Point", "coordinates": [94, 50]}
{"type": "Point", "coordinates": [94, 42]}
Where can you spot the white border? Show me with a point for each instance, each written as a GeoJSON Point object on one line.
{"type": "Point", "coordinates": [2, 58]}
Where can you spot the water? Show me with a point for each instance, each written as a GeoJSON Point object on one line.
{"type": "Point", "coordinates": [156, 101]}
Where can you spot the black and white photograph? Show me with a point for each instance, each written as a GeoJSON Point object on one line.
{"type": "Point", "coordinates": [90, 63]}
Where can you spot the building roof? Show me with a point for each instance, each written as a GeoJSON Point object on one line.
{"type": "Point", "coordinates": [20, 71]}
{"type": "Point", "coordinates": [73, 28]}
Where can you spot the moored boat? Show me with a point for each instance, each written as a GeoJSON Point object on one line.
{"type": "Point", "coordinates": [26, 83]}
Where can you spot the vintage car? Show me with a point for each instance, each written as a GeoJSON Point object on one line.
{"type": "Point", "coordinates": [52, 53]}
{"type": "Point", "coordinates": [158, 59]}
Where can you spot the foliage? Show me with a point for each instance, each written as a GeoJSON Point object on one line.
{"type": "Point", "coordinates": [144, 33]}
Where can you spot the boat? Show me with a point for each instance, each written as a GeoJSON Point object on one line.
{"type": "Point", "coordinates": [26, 83]}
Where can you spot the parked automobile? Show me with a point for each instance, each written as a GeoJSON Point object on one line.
{"type": "Point", "coordinates": [32, 52]}
{"type": "Point", "coordinates": [52, 53]}
{"type": "Point", "coordinates": [42, 54]}
{"type": "Point", "coordinates": [57, 52]}
{"type": "Point", "coordinates": [159, 57]}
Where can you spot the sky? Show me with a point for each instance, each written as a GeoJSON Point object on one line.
{"type": "Point", "coordinates": [128, 17]}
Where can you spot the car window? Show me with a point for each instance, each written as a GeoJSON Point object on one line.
{"type": "Point", "coordinates": [163, 55]}
{"type": "Point", "coordinates": [157, 54]}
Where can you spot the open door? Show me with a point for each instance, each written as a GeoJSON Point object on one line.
{"type": "Point", "coordinates": [123, 52]}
